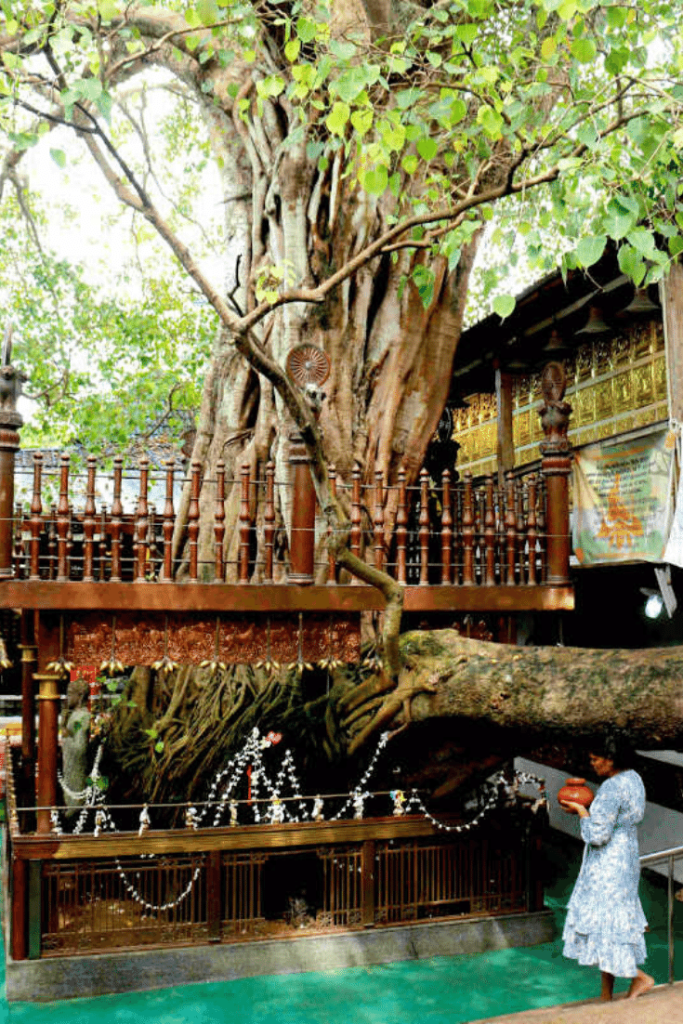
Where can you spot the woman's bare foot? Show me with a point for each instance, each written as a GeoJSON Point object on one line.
{"type": "Point", "coordinates": [607, 986]}
{"type": "Point", "coordinates": [641, 984]}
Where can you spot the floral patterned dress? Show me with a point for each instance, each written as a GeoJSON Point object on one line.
{"type": "Point", "coordinates": [605, 920]}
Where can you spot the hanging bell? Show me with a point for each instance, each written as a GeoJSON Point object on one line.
{"type": "Point", "coordinates": [595, 323]}
{"type": "Point", "coordinates": [555, 343]}
{"type": "Point", "coordinates": [641, 305]}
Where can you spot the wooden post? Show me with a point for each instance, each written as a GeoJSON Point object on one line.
{"type": "Point", "coordinates": [89, 523]}
{"type": "Point", "coordinates": [302, 539]}
{"type": "Point", "coordinates": [19, 941]}
{"type": "Point", "coordinates": [556, 465]}
{"type": "Point", "coordinates": [244, 524]}
{"type": "Point", "coordinates": [219, 524]}
{"type": "Point", "coordinates": [63, 520]}
{"type": "Point", "coordinates": [467, 532]}
{"type": "Point", "coordinates": [193, 520]}
{"type": "Point", "coordinates": [10, 424]}
{"type": "Point", "coordinates": [671, 292]}
{"type": "Point", "coordinates": [213, 895]}
{"type": "Point", "coordinates": [356, 515]}
{"type": "Point", "coordinates": [423, 528]}
{"type": "Point", "coordinates": [269, 524]}
{"type": "Point", "coordinates": [446, 529]}
{"type": "Point", "coordinates": [489, 535]}
{"type": "Point", "coordinates": [378, 520]}
{"type": "Point", "coordinates": [48, 719]}
{"type": "Point", "coordinates": [29, 658]}
{"type": "Point", "coordinates": [401, 527]}
{"type": "Point", "coordinates": [367, 874]}
{"type": "Point", "coordinates": [141, 524]}
{"type": "Point", "coordinates": [505, 444]}
{"type": "Point", "coordinates": [168, 520]}
{"type": "Point", "coordinates": [116, 521]}
{"type": "Point", "coordinates": [331, 561]}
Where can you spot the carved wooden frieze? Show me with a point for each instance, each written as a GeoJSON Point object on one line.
{"type": "Point", "coordinates": [142, 638]}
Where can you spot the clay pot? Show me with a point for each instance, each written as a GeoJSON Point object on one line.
{"type": "Point", "coordinates": [576, 791]}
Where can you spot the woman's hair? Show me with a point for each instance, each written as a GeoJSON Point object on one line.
{"type": "Point", "coordinates": [615, 747]}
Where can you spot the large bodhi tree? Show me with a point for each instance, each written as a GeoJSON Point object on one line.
{"type": "Point", "coordinates": [363, 147]}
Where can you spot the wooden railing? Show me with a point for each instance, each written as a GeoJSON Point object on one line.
{"type": "Point", "coordinates": [114, 891]}
{"type": "Point", "coordinates": [458, 534]}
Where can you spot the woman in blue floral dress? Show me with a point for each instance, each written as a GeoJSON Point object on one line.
{"type": "Point", "coordinates": [605, 921]}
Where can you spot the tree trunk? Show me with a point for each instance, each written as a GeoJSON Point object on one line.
{"type": "Point", "coordinates": [525, 695]}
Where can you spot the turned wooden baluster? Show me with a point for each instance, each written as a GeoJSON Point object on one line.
{"type": "Point", "coordinates": [378, 520]}
{"type": "Point", "coordinates": [36, 520]}
{"type": "Point", "coordinates": [542, 530]}
{"type": "Point", "coordinates": [489, 534]}
{"type": "Point", "coordinates": [152, 547]}
{"type": "Point", "coordinates": [269, 523]}
{"type": "Point", "coordinates": [423, 531]}
{"type": "Point", "coordinates": [531, 532]}
{"type": "Point", "coordinates": [457, 534]}
{"type": "Point", "coordinates": [331, 561]}
{"type": "Point", "coordinates": [89, 522]}
{"type": "Point", "coordinates": [401, 528]}
{"type": "Point", "coordinates": [520, 492]}
{"type": "Point", "coordinates": [244, 525]}
{"type": "Point", "coordinates": [446, 529]}
{"type": "Point", "coordinates": [193, 520]}
{"type": "Point", "coordinates": [63, 521]}
{"type": "Point", "coordinates": [52, 543]}
{"type": "Point", "coordinates": [70, 542]}
{"type": "Point", "coordinates": [510, 529]}
{"type": "Point", "coordinates": [467, 532]}
{"type": "Point", "coordinates": [19, 550]}
{"type": "Point", "coordinates": [116, 522]}
{"type": "Point", "coordinates": [141, 523]}
{"type": "Point", "coordinates": [479, 564]}
{"type": "Point", "coordinates": [219, 523]}
{"type": "Point", "coordinates": [168, 523]}
{"type": "Point", "coordinates": [102, 545]}
{"type": "Point", "coordinates": [355, 532]}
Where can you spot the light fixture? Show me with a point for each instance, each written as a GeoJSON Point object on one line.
{"type": "Point", "coordinates": [654, 606]}
{"type": "Point", "coordinates": [595, 323]}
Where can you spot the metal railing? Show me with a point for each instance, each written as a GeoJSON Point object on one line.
{"type": "Point", "coordinates": [648, 860]}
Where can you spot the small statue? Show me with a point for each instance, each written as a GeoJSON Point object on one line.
{"type": "Point", "coordinates": [145, 820]}
{"type": "Point", "coordinates": [317, 812]}
{"type": "Point", "coordinates": [277, 811]}
{"type": "Point", "coordinates": [75, 737]}
{"type": "Point", "coordinates": [358, 805]}
{"type": "Point", "coordinates": [233, 813]}
{"type": "Point", "coordinates": [399, 799]}
{"type": "Point", "coordinates": [191, 818]}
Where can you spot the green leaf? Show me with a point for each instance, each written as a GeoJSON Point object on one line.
{"type": "Point", "coordinates": [590, 249]}
{"type": "Point", "coordinates": [548, 47]}
{"type": "Point", "coordinates": [338, 118]}
{"type": "Point", "coordinates": [376, 181]}
{"type": "Point", "coordinates": [159, 746]}
{"type": "Point", "coordinates": [409, 163]}
{"type": "Point", "coordinates": [362, 120]}
{"type": "Point", "coordinates": [306, 30]}
{"type": "Point", "coordinates": [631, 263]}
{"type": "Point", "coordinates": [584, 50]}
{"type": "Point", "coordinates": [490, 120]}
{"type": "Point", "coordinates": [503, 305]}
{"type": "Point", "coordinates": [616, 16]}
{"type": "Point", "coordinates": [427, 148]}
{"type": "Point", "coordinates": [642, 240]}
{"type": "Point", "coordinates": [292, 50]}
{"type": "Point", "coordinates": [59, 157]}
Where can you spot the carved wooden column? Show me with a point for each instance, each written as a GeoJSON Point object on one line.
{"type": "Point", "coordinates": [671, 291]}
{"type": "Point", "coordinates": [10, 423]}
{"type": "Point", "coordinates": [302, 538]}
{"type": "Point", "coordinates": [308, 366]}
{"type": "Point", "coordinates": [48, 719]}
{"type": "Point", "coordinates": [556, 465]}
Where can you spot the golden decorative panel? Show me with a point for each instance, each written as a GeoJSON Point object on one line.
{"type": "Point", "coordinates": [616, 384]}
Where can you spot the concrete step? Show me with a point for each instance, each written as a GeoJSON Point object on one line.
{"type": "Point", "coordinates": [663, 1005]}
